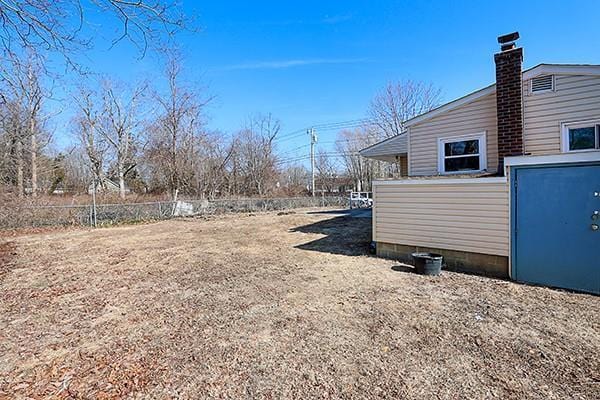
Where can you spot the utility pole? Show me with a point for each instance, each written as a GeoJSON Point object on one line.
{"type": "Point", "coordinates": [313, 141]}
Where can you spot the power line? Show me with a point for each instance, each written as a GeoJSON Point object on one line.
{"type": "Point", "coordinates": [330, 126]}
{"type": "Point", "coordinates": [324, 127]}
{"type": "Point", "coordinates": [367, 143]}
{"type": "Point", "coordinates": [294, 149]}
{"type": "Point", "coordinates": [307, 157]}
{"type": "Point", "coordinates": [290, 135]}
{"type": "Point", "coordinates": [343, 123]}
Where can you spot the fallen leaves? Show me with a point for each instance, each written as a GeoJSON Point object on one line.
{"type": "Point", "coordinates": [275, 306]}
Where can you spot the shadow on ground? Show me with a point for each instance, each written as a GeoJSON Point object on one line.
{"type": "Point", "coordinates": [403, 268]}
{"type": "Point", "coordinates": [344, 235]}
{"type": "Point", "coordinates": [330, 212]}
{"type": "Point", "coordinates": [355, 212]}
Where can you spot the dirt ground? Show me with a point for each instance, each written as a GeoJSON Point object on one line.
{"type": "Point", "coordinates": [275, 306]}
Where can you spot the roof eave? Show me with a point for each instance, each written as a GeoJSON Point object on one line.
{"type": "Point", "coordinates": [374, 145]}
{"type": "Point", "coordinates": [561, 69]}
{"type": "Point", "coordinates": [452, 105]}
{"type": "Point", "coordinates": [540, 69]}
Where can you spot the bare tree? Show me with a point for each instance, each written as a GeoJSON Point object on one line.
{"type": "Point", "coordinates": [295, 179]}
{"type": "Point", "coordinates": [255, 152]}
{"type": "Point", "coordinates": [25, 82]}
{"type": "Point", "coordinates": [86, 130]}
{"type": "Point", "coordinates": [25, 95]}
{"type": "Point", "coordinates": [76, 171]}
{"type": "Point", "coordinates": [119, 125]}
{"type": "Point", "coordinates": [400, 101]}
{"type": "Point", "coordinates": [361, 170]}
{"type": "Point", "coordinates": [327, 173]}
{"type": "Point", "coordinates": [13, 137]}
{"type": "Point", "coordinates": [61, 26]}
{"type": "Point", "coordinates": [210, 171]}
{"type": "Point", "coordinates": [176, 135]}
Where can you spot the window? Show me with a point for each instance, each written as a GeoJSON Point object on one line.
{"type": "Point", "coordinates": [462, 154]}
{"type": "Point", "coordinates": [581, 136]}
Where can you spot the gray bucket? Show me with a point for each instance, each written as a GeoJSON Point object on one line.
{"type": "Point", "coordinates": [427, 263]}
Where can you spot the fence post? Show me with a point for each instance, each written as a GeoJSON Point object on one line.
{"type": "Point", "coordinates": [159, 211]}
{"type": "Point", "coordinates": [94, 214]}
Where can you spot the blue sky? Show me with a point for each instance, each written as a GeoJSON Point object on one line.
{"type": "Point", "coordinates": [315, 62]}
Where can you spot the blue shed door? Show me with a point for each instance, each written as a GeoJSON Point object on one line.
{"type": "Point", "coordinates": [556, 239]}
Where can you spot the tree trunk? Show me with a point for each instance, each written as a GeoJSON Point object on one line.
{"type": "Point", "coordinates": [121, 183]}
{"type": "Point", "coordinates": [20, 188]}
{"type": "Point", "coordinates": [34, 181]}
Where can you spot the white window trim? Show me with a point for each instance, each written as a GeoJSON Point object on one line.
{"type": "Point", "coordinates": [552, 89]}
{"type": "Point", "coordinates": [577, 124]}
{"type": "Point", "coordinates": [481, 136]}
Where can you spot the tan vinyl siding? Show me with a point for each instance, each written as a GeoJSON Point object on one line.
{"type": "Point", "coordinates": [471, 118]}
{"type": "Point", "coordinates": [470, 217]}
{"type": "Point", "coordinates": [576, 98]}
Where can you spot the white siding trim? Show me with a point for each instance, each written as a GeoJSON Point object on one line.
{"type": "Point", "coordinates": [572, 157]}
{"type": "Point", "coordinates": [444, 181]}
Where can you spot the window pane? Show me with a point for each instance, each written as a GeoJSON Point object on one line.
{"type": "Point", "coordinates": [461, 164]}
{"type": "Point", "coordinates": [461, 148]}
{"type": "Point", "coordinates": [582, 138]}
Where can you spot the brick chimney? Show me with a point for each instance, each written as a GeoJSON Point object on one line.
{"type": "Point", "coordinates": [509, 98]}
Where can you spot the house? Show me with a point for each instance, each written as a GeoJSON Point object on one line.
{"type": "Point", "coordinates": [504, 181]}
{"type": "Point", "coordinates": [106, 185]}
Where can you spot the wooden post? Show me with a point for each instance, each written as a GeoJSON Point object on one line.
{"type": "Point", "coordinates": [94, 220]}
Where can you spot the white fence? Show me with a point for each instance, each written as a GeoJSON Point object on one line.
{"type": "Point", "coordinates": [106, 214]}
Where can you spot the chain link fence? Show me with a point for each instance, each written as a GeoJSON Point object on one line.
{"type": "Point", "coordinates": [107, 214]}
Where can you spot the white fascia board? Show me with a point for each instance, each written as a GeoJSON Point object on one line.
{"type": "Point", "coordinates": [566, 158]}
{"type": "Point", "coordinates": [442, 181]}
{"type": "Point", "coordinates": [555, 69]}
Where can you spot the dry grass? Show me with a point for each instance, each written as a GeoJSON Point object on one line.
{"type": "Point", "coordinates": [275, 306]}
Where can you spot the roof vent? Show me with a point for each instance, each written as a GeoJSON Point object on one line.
{"type": "Point", "coordinates": [542, 83]}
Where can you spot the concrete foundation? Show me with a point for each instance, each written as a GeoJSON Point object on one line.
{"type": "Point", "coordinates": [483, 264]}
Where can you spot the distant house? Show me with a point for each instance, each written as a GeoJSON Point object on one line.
{"type": "Point", "coordinates": [106, 185]}
{"type": "Point", "coordinates": [59, 189]}
{"type": "Point", "coordinates": [503, 181]}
